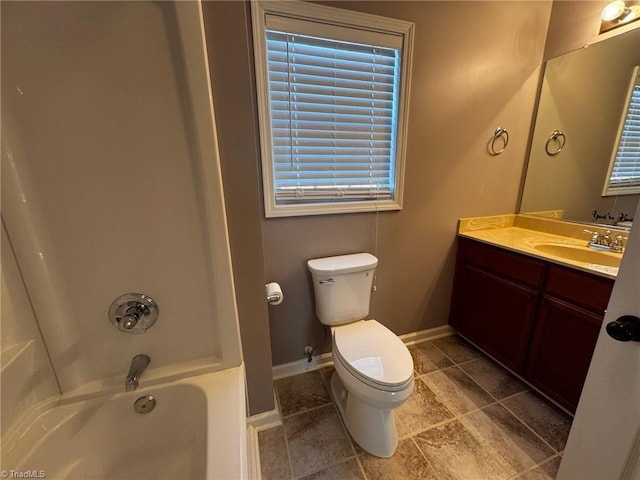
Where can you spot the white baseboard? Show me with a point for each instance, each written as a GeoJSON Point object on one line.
{"type": "Point", "coordinates": [266, 420]}
{"type": "Point", "coordinates": [255, 424]}
{"type": "Point", "coordinates": [302, 366]}
{"type": "Point", "coordinates": [427, 335]}
{"type": "Point", "coordinates": [326, 360]}
{"type": "Point", "coordinates": [253, 454]}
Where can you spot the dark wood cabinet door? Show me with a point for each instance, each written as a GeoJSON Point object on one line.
{"type": "Point", "coordinates": [563, 341]}
{"type": "Point", "coordinates": [541, 320]}
{"type": "Point", "coordinates": [494, 313]}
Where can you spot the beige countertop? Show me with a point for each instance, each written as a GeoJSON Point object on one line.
{"type": "Point", "coordinates": [552, 240]}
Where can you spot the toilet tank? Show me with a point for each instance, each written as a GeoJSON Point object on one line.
{"type": "Point", "coordinates": [342, 286]}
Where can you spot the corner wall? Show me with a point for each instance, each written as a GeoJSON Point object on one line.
{"type": "Point", "coordinates": [228, 39]}
{"type": "Point", "coordinates": [573, 25]}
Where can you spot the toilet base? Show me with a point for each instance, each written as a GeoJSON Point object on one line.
{"type": "Point", "coordinates": [374, 429]}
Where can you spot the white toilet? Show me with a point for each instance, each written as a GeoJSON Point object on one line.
{"type": "Point", "coordinates": [373, 368]}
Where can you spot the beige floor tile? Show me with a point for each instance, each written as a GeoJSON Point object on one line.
{"type": "Point", "coordinates": [493, 378]}
{"type": "Point", "coordinates": [454, 453]}
{"type": "Point", "coordinates": [349, 470]}
{"type": "Point", "coordinates": [487, 443]}
{"type": "Point", "coordinates": [428, 358]}
{"type": "Point", "coordinates": [422, 409]}
{"type": "Point", "coordinates": [301, 392]}
{"type": "Point", "coordinates": [316, 440]}
{"type": "Point", "coordinates": [401, 428]}
{"type": "Point", "coordinates": [457, 390]}
{"type": "Point", "coordinates": [457, 349]}
{"type": "Point", "coordinates": [542, 417]}
{"type": "Point", "coordinates": [274, 461]}
{"type": "Point", "coordinates": [507, 438]}
{"type": "Point", "coordinates": [546, 471]}
{"type": "Point", "coordinates": [407, 463]}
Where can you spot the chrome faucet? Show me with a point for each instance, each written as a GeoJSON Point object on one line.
{"type": "Point", "coordinates": [138, 365]}
{"type": "Point", "coordinates": [603, 241]}
{"type": "Point", "coordinates": [599, 239]}
{"type": "Point", "coordinates": [617, 246]}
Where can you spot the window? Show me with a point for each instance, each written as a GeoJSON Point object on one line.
{"type": "Point", "coordinates": [332, 98]}
{"type": "Point", "coordinates": [624, 171]}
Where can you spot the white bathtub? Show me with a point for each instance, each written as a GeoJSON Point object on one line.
{"type": "Point", "coordinates": [197, 430]}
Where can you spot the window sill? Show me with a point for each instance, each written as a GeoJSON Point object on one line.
{"type": "Point", "coordinates": [276, 211]}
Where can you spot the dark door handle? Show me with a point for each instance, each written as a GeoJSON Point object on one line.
{"type": "Point", "coordinates": [625, 329]}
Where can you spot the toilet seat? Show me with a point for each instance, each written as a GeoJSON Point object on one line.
{"type": "Point", "coordinates": [373, 354]}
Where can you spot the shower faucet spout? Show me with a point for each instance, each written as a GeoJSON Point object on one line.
{"type": "Point", "coordinates": [138, 365]}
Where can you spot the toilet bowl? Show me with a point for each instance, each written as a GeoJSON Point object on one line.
{"type": "Point", "coordinates": [373, 376]}
{"type": "Point", "coordinates": [373, 368]}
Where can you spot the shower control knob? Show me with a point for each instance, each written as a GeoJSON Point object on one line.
{"type": "Point", "coordinates": [133, 313]}
{"type": "Point", "coordinates": [625, 329]}
{"type": "Point", "coordinates": [127, 322]}
{"type": "Point", "coordinates": [131, 317]}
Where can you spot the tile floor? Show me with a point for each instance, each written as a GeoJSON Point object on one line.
{"type": "Point", "coordinates": [468, 418]}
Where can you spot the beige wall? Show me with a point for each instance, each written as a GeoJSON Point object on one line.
{"type": "Point", "coordinates": [227, 25]}
{"type": "Point", "coordinates": [476, 67]}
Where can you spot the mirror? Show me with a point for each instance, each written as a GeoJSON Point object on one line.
{"type": "Point", "coordinates": [582, 99]}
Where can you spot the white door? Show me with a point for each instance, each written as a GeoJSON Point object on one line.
{"type": "Point", "coordinates": [604, 443]}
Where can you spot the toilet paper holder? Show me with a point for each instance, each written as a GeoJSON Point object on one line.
{"type": "Point", "coordinates": [274, 297]}
{"type": "Point", "coordinates": [274, 293]}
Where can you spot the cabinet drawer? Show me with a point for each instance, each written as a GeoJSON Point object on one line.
{"type": "Point", "coordinates": [581, 288]}
{"type": "Point", "coordinates": [497, 260]}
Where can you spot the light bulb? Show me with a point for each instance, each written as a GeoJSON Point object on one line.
{"type": "Point", "coordinates": [613, 10]}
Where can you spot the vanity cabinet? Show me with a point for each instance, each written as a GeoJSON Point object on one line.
{"type": "Point", "coordinates": [566, 329]}
{"type": "Point", "coordinates": [539, 319]}
{"type": "Point", "coordinates": [495, 297]}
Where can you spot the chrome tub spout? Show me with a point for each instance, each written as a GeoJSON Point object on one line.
{"type": "Point", "coordinates": [138, 365]}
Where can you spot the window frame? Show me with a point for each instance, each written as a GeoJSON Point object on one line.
{"type": "Point", "coordinates": [608, 189]}
{"type": "Point", "coordinates": [342, 18]}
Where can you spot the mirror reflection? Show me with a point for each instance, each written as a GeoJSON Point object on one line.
{"type": "Point", "coordinates": [623, 176]}
{"type": "Point", "coordinates": [583, 98]}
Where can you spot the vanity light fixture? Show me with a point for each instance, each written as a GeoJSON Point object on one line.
{"type": "Point", "coordinates": [618, 13]}
{"type": "Point", "coordinates": [614, 10]}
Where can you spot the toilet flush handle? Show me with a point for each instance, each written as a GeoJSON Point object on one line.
{"type": "Point", "coordinates": [327, 281]}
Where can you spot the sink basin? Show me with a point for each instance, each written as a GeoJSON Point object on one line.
{"type": "Point", "coordinates": [580, 254]}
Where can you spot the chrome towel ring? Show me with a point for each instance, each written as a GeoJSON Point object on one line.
{"type": "Point", "coordinates": [503, 135]}
{"type": "Point", "coordinates": [558, 139]}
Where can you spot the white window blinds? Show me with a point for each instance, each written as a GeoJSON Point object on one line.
{"type": "Point", "coordinates": [333, 112]}
{"type": "Point", "coordinates": [624, 176]}
{"type": "Point", "coordinates": [333, 94]}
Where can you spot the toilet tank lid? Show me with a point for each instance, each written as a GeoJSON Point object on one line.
{"type": "Point", "coordinates": [355, 262]}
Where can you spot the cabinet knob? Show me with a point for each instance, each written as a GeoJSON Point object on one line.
{"type": "Point", "coordinates": [625, 329]}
